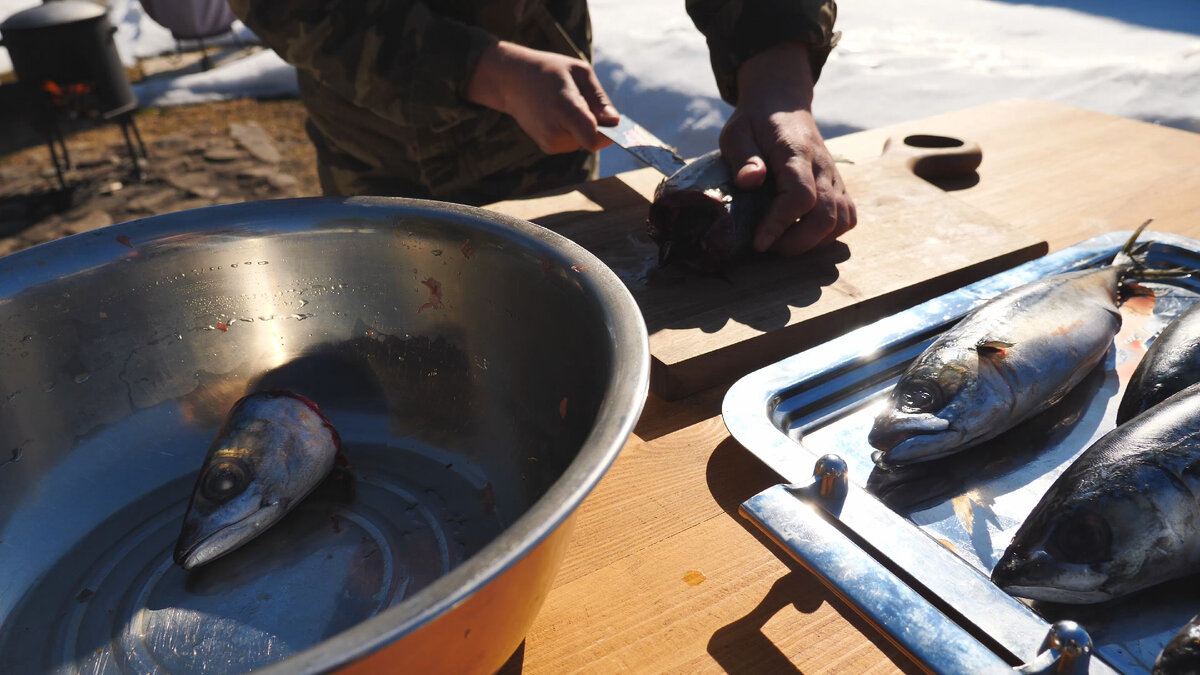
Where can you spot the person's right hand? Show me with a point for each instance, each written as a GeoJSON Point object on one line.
{"type": "Point", "coordinates": [556, 99]}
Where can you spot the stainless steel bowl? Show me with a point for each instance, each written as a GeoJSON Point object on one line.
{"type": "Point", "coordinates": [483, 374]}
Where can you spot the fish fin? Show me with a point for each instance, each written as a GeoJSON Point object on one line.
{"type": "Point", "coordinates": [992, 348]}
{"type": "Point", "coordinates": [1129, 245]}
{"type": "Point", "coordinates": [1133, 255]}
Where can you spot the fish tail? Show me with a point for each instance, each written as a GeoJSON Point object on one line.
{"type": "Point", "coordinates": [1133, 254]}
{"type": "Point", "coordinates": [1132, 257]}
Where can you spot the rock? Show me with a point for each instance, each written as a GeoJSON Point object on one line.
{"type": "Point", "coordinates": [172, 141]}
{"type": "Point", "coordinates": [195, 184]}
{"type": "Point", "coordinates": [282, 181]}
{"type": "Point", "coordinates": [252, 137]}
{"type": "Point", "coordinates": [90, 159]}
{"type": "Point", "coordinates": [192, 204]}
{"type": "Point", "coordinates": [92, 220]}
{"type": "Point", "coordinates": [152, 199]}
{"type": "Point", "coordinates": [260, 172]}
{"type": "Point", "coordinates": [222, 154]}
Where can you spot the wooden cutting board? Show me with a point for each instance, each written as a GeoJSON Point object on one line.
{"type": "Point", "coordinates": [914, 241]}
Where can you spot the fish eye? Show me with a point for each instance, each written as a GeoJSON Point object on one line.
{"type": "Point", "coordinates": [224, 480]}
{"type": "Point", "coordinates": [1082, 538]}
{"type": "Point", "coordinates": [920, 396]}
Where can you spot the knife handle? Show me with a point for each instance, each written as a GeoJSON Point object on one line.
{"type": "Point", "coordinates": [931, 157]}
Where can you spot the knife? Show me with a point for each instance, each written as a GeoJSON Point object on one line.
{"type": "Point", "coordinates": [649, 149]}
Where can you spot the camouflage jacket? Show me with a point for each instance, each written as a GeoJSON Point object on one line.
{"type": "Point", "coordinates": [384, 80]}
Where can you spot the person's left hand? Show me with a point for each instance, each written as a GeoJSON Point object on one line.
{"type": "Point", "coordinates": [772, 132]}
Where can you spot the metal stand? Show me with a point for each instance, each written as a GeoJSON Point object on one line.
{"type": "Point", "coordinates": [126, 121]}
{"type": "Point", "coordinates": [53, 136]}
{"type": "Point", "coordinates": [205, 64]}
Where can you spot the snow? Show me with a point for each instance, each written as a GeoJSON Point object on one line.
{"type": "Point", "coordinates": [895, 62]}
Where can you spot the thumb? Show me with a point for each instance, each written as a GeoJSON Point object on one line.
{"type": "Point", "coordinates": [742, 155]}
{"type": "Point", "coordinates": [597, 100]}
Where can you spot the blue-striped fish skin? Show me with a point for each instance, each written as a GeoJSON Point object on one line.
{"type": "Point", "coordinates": [1123, 516]}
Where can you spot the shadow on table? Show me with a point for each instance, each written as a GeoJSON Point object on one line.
{"type": "Point", "coordinates": [515, 663]}
{"type": "Point", "coordinates": [741, 647]}
{"type": "Point", "coordinates": [758, 291]}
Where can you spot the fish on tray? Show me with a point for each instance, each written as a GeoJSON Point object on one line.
{"type": "Point", "coordinates": [274, 448]}
{"type": "Point", "coordinates": [1171, 364]}
{"type": "Point", "coordinates": [1007, 360]}
{"type": "Point", "coordinates": [1181, 655]}
{"type": "Point", "coordinates": [698, 217]}
{"type": "Point", "coordinates": [1123, 516]}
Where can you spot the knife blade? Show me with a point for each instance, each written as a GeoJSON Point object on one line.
{"type": "Point", "coordinates": [648, 148]}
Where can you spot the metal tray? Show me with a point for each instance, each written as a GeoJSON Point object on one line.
{"type": "Point", "coordinates": [914, 555]}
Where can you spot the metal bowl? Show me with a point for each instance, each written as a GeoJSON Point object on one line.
{"type": "Point", "coordinates": [482, 372]}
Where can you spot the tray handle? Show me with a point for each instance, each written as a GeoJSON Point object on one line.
{"type": "Point", "coordinates": [797, 518]}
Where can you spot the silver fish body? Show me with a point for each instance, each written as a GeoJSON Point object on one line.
{"type": "Point", "coordinates": [1007, 360]}
{"type": "Point", "coordinates": [273, 449]}
{"type": "Point", "coordinates": [1123, 516]}
{"type": "Point", "coordinates": [1171, 364]}
{"type": "Point", "coordinates": [700, 218]}
{"type": "Point", "coordinates": [1181, 655]}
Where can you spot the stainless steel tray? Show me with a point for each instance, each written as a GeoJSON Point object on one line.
{"type": "Point", "coordinates": [914, 554]}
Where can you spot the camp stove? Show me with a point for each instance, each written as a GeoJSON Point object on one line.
{"type": "Point", "coordinates": [67, 64]}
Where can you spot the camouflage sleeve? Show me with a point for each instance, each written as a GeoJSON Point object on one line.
{"type": "Point", "coordinates": [739, 29]}
{"type": "Point", "coordinates": [382, 55]}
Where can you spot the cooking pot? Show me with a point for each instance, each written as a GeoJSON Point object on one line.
{"type": "Point", "coordinates": [482, 372]}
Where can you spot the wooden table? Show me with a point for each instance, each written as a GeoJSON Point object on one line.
{"type": "Point", "coordinates": [664, 575]}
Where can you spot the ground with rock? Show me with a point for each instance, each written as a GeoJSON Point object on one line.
{"type": "Point", "coordinates": [199, 155]}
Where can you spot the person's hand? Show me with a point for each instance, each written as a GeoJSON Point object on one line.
{"type": "Point", "coordinates": [772, 129]}
{"type": "Point", "coordinates": [556, 99]}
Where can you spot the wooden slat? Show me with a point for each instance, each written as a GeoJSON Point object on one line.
{"type": "Point", "coordinates": [1065, 173]}
{"type": "Point", "coordinates": [698, 589]}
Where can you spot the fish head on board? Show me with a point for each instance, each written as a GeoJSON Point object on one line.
{"type": "Point", "coordinates": [936, 408]}
{"type": "Point", "coordinates": [1095, 542]}
{"type": "Point", "coordinates": [274, 448]}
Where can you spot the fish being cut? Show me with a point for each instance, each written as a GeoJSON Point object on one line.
{"type": "Point", "coordinates": [1171, 364]}
{"type": "Point", "coordinates": [1122, 517]}
{"type": "Point", "coordinates": [1181, 656]}
{"type": "Point", "coordinates": [701, 219]}
{"type": "Point", "coordinates": [273, 449]}
{"type": "Point", "coordinates": [1007, 360]}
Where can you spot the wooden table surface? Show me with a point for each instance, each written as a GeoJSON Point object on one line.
{"type": "Point", "coordinates": [663, 575]}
